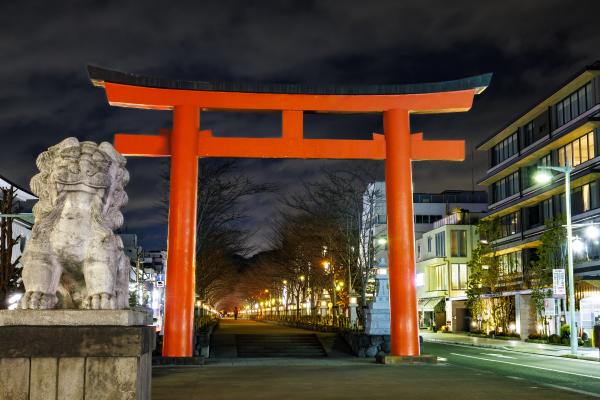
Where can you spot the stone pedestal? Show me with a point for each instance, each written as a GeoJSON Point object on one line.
{"type": "Point", "coordinates": [377, 316]}
{"type": "Point", "coordinates": [75, 354]}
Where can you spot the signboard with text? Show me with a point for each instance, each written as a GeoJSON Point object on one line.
{"type": "Point", "coordinates": [558, 283]}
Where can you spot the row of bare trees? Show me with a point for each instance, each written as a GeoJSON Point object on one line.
{"type": "Point", "coordinates": [322, 243]}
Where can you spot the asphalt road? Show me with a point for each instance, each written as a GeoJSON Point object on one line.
{"type": "Point", "coordinates": [578, 376]}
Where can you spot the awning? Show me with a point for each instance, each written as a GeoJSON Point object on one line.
{"type": "Point", "coordinates": [429, 304]}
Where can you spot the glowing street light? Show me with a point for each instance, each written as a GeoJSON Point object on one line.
{"type": "Point", "coordinates": [592, 232]}
{"type": "Point", "coordinates": [578, 246]}
{"type": "Point", "coordinates": [382, 241]}
{"type": "Point", "coordinates": [544, 176]}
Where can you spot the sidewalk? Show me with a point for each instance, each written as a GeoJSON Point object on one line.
{"type": "Point", "coordinates": [511, 345]}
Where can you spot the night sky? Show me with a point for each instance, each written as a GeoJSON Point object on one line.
{"type": "Point", "coordinates": [45, 94]}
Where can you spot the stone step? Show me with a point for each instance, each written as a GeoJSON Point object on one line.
{"type": "Point", "coordinates": [305, 345]}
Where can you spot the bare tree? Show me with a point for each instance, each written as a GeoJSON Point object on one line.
{"type": "Point", "coordinates": [221, 236]}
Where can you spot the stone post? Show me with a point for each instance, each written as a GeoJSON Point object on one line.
{"type": "Point", "coordinates": [75, 354]}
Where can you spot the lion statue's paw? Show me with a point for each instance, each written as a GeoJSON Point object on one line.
{"type": "Point", "coordinates": [37, 301]}
{"type": "Point", "coordinates": [100, 301]}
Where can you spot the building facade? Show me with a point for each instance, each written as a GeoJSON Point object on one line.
{"type": "Point", "coordinates": [441, 257]}
{"type": "Point", "coordinates": [561, 129]}
{"type": "Point", "coordinates": [428, 208]}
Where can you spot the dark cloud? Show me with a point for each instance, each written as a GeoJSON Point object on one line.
{"type": "Point", "coordinates": [45, 95]}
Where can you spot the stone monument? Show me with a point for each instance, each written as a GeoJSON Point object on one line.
{"type": "Point", "coordinates": [377, 318]}
{"type": "Point", "coordinates": [91, 346]}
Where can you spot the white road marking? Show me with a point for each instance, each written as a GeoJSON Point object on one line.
{"type": "Point", "coordinates": [497, 355]}
{"type": "Point", "coordinates": [528, 366]}
{"type": "Point", "coordinates": [519, 352]}
{"type": "Point", "coordinates": [515, 377]}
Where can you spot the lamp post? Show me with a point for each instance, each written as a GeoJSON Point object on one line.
{"type": "Point", "coordinates": [544, 177]}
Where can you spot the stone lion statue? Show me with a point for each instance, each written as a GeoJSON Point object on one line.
{"type": "Point", "coordinates": [73, 259]}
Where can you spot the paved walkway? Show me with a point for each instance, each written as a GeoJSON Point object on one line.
{"type": "Point", "coordinates": [513, 345]}
{"type": "Point", "coordinates": [337, 376]}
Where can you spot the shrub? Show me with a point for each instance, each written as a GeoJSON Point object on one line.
{"type": "Point", "coordinates": [565, 331]}
{"type": "Point", "coordinates": [536, 336]}
{"type": "Point", "coordinates": [554, 339]}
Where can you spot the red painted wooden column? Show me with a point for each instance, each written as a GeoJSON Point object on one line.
{"type": "Point", "coordinates": [181, 251]}
{"type": "Point", "coordinates": [404, 332]}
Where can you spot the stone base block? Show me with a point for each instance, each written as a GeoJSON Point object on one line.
{"type": "Point", "coordinates": [74, 362]}
{"type": "Point", "coordinates": [174, 361]}
{"type": "Point", "coordinates": [404, 360]}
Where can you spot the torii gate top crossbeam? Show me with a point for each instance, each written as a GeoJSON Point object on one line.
{"type": "Point", "coordinates": [136, 91]}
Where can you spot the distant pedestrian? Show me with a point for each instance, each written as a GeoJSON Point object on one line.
{"type": "Point", "coordinates": [235, 312]}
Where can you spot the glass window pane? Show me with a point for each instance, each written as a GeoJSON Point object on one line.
{"type": "Point", "coordinates": [594, 195]}
{"type": "Point", "coordinates": [561, 156]}
{"type": "Point", "coordinates": [584, 148]}
{"type": "Point", "coordinates": [581, 99]}
{"type": "Point", "coordinates": [588, 95]}
{"type": "Point", "coordinates": [567, 108]}
{"type": "Point", "coordinates": [591, 148]}
{"type": "Point", "coordinates": [574, 105]}
{"type": "Point", "coordinates": [569, 154]}
{"type": "Point", "coordinates": [463, 276]}
{"type": "Point", "coordinates": [585, 192]}
{"type": "Point", "coordinates": [576, 153]}
{"type": "Point", "coordinates": [559, 114]}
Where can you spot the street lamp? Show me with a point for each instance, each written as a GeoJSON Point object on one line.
{"type": "Point", "coordinates": [543, 177]}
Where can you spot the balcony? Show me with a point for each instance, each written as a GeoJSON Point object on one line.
{"type": "Point", "coordinates": [458, 218]}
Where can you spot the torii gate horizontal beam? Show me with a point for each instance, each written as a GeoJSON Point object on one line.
{"type": "Point", "coordinates": [210, 146]}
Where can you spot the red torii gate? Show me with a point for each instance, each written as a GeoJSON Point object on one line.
{"type": "Point", "coordinates": [186, 142]}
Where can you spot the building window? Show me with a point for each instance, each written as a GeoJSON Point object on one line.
{"type": "Point", "coordinates": [458, 243]}
{"type": "Point", "coordinates": [459, 276]}
{"type": "Point", "coordinates": [532, 133]}
{"type": "Point", "coordinates": [437, 278]}
{"type": "Point", "coordinates": [505, 187]}
{"type": "Point", "coordinates": [418, 251]}
{"type": "Point", "coordinates": [505, 149]}
{"type": "Point", "coordinates": [574, 105]}
{"type": "Point", "coordinates": [440, 244]}
{"type": "Point", "coordinates": [511, 263]}
{"type": "Point", "coordinates": [429, 244]}
{"type": "Point", "coordinates": [578, 151]}
{"type": "Point", "coordinates": [509, 224]}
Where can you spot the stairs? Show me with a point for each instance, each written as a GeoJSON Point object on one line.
{"type": "Point", "coordinates": [273, 345]}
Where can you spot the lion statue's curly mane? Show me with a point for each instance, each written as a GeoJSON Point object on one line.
{"type": "Point", "coordinates": [73, 259]}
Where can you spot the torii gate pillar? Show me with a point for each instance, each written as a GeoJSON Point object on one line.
{"type": "Point", "coordinates": [181, 250]}
{"type": "Point", "coordinates": [404, 330]}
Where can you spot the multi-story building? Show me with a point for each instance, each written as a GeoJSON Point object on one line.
{"type": "Point", "coordinates": [562, 128]}
{"type": "Point", "coordinates": [428, 208]}
{"type": "Point", "coordinates": [442, 255]}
